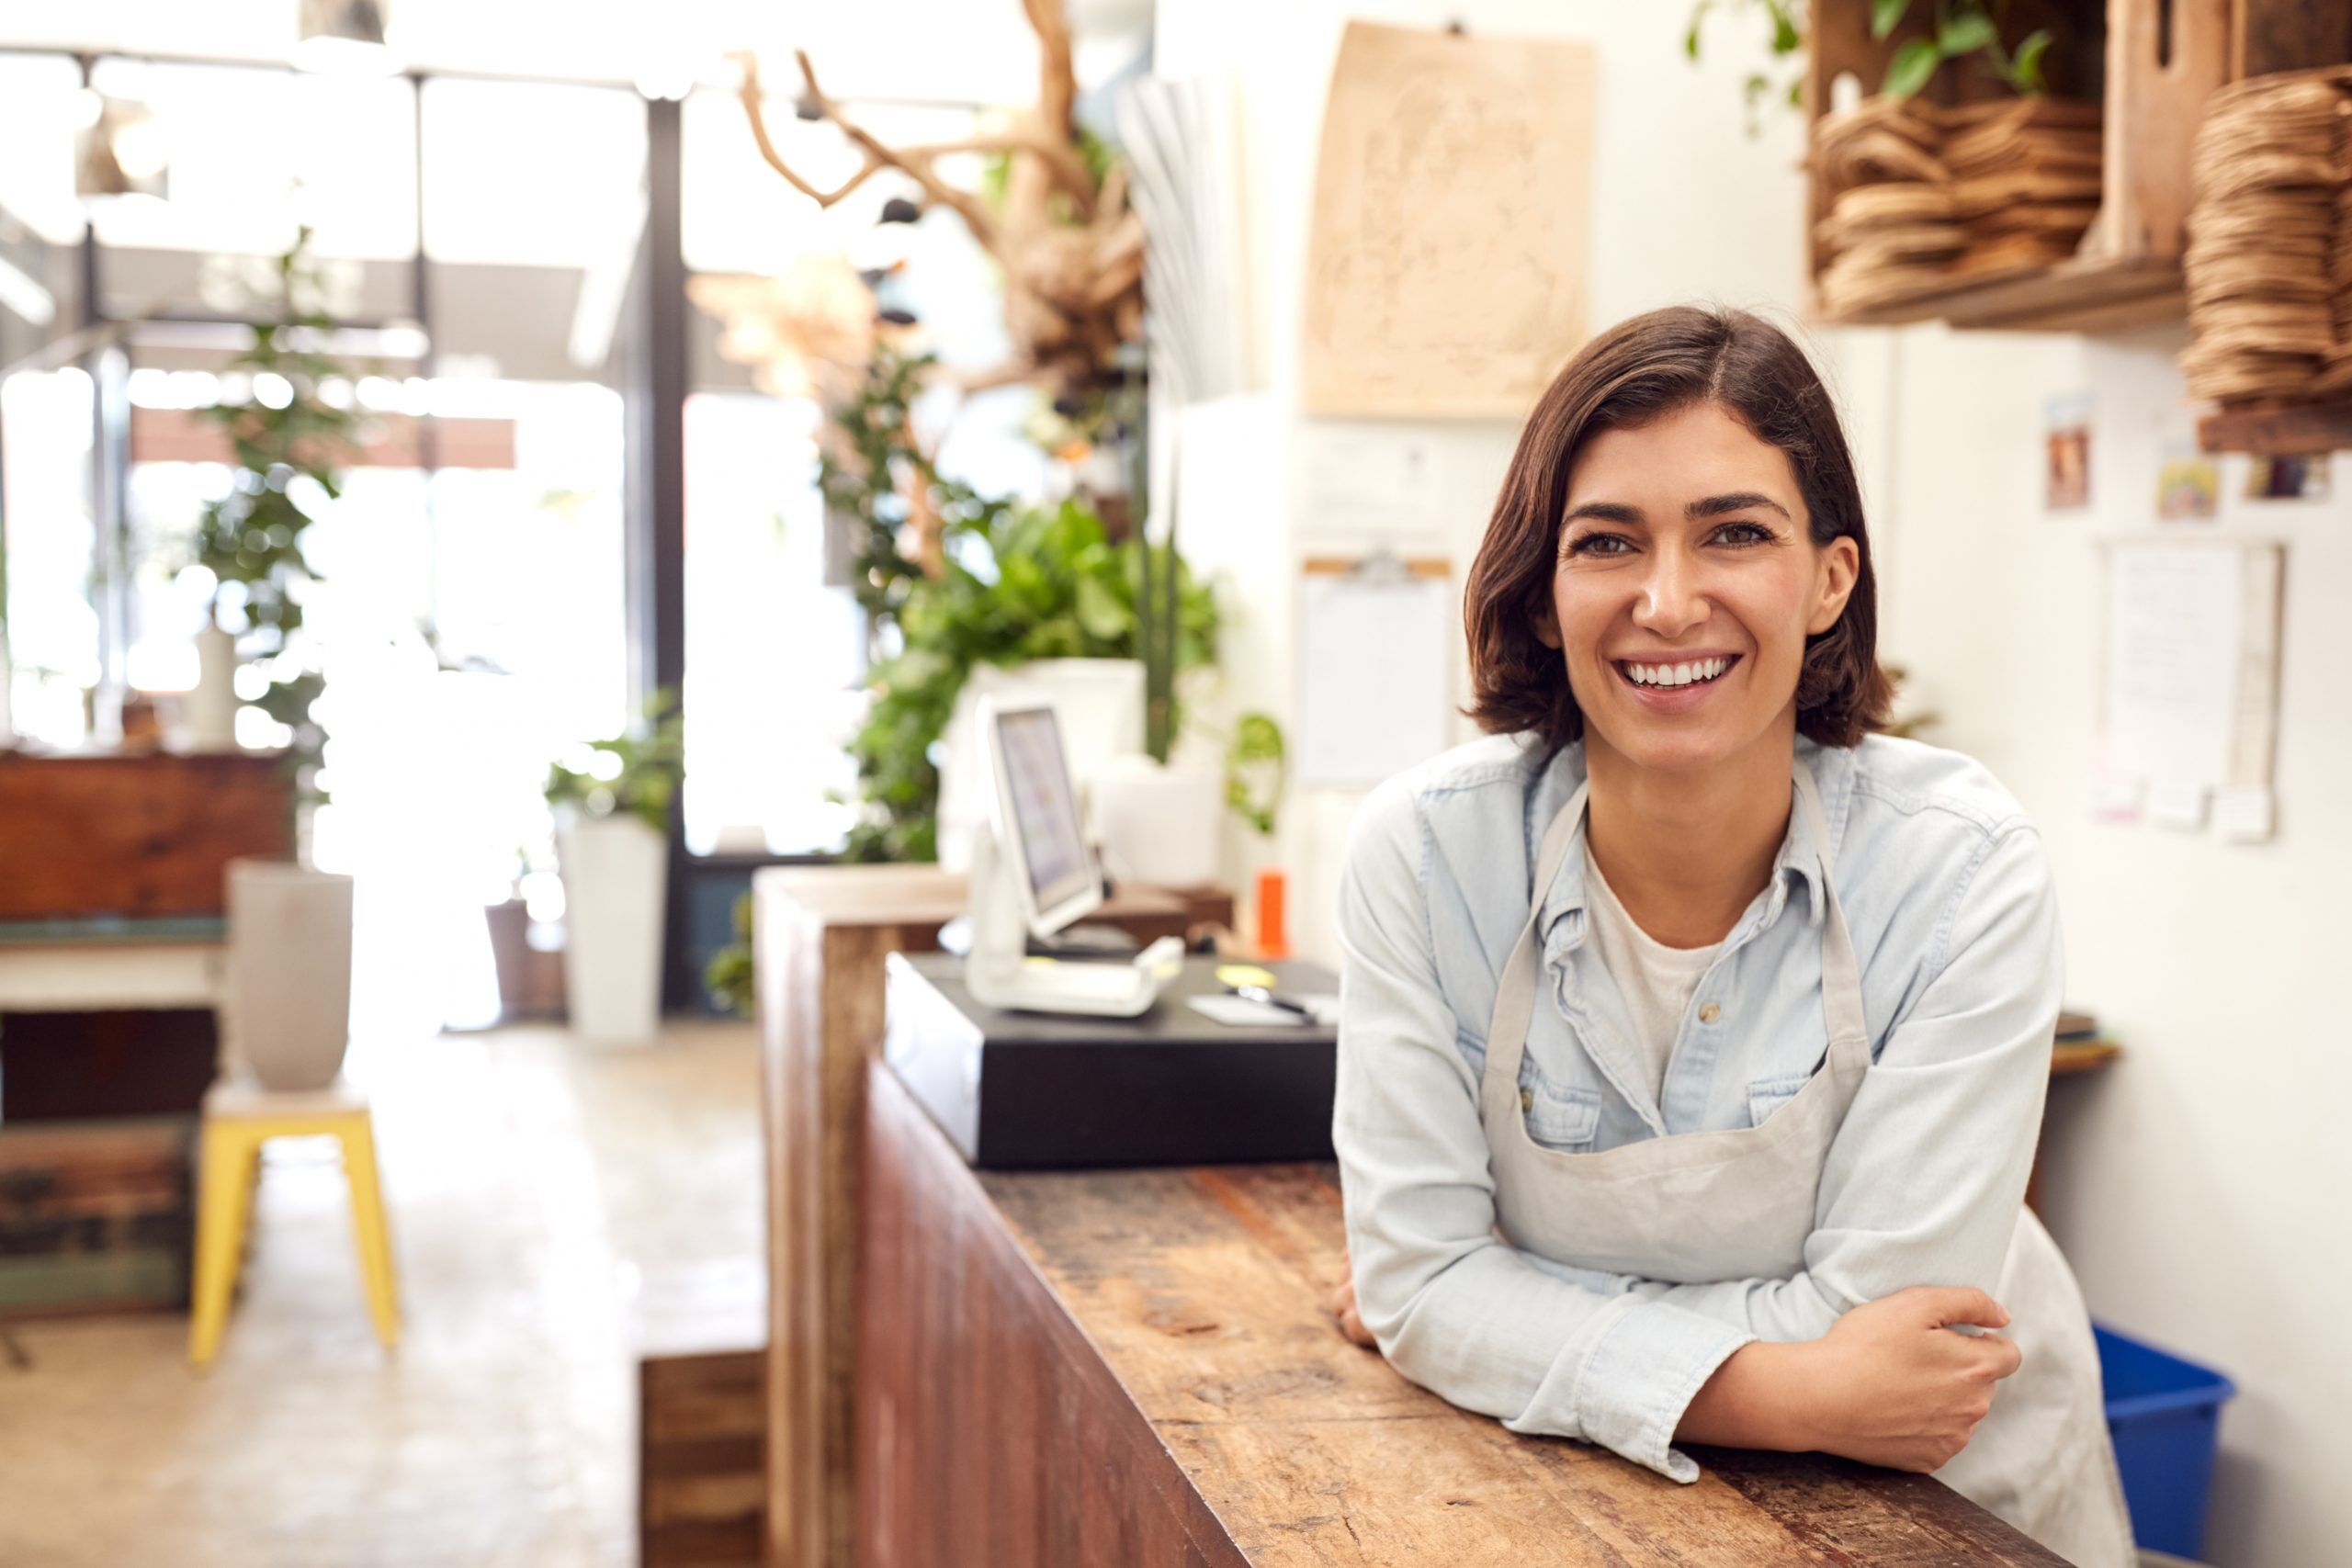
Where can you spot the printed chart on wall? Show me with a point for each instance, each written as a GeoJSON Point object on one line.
{"type": "Point", "coordinates": [1443, 282]}
{"type": "Point", "coordinates": [2190, 702]}
{"type": "Point", "coordinates": [1375, 662]}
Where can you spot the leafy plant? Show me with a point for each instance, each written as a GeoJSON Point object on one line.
{"type": "Point", "coordinates": [1787, 38]}
{"type": "Point", "coordinates": [1958, 27]}
{"type": "Point", "coordinates": [288, 442]}
{"type": "Point", "coordinates": [1256, 765]}
{"type": "Point", "coordinates": [1961, 27]}
{"type": "Point", "coordinates": [1028, 582]}
{"type": "Point", "coordinates": [637, 772]}
{"type": "Point", "coordinates": [870, 465]}
{"type": "Point", "coordinates": [728, 977]}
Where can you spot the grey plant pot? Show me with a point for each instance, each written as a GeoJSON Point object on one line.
{"type": "Point", "coordinates": [290, 972]}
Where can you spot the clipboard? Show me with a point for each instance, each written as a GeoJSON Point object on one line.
{"type": "Point", "coordinates": [1375, 666]}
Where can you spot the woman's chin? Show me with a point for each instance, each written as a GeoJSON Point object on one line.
{"type": "Point", "coordinates": [1669, 748]}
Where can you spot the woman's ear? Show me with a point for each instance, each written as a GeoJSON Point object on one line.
{"type": "Point", "coordinates": [1547, 625]}
{"type": "Point", "coordinates": [1840, 565]}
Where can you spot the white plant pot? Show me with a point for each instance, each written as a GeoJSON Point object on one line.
{"type": "Point", "coordinates": [1099, 703]}
{"type": "Point", "coordinates": [210, 711]}
{"type": "Point", "coordinates": [615, 870]}
{"type": "Point", "coordinates": [1159, 824]}
{"type": "Point", "coordinates": [290, 972]}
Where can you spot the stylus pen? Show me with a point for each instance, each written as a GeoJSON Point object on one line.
{"type": "Point", "coordinates": [1260, 994]}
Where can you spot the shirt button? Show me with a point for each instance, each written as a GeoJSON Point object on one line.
{"type": "Point", "coordinates": [1526, 1098]}
{"type": "Point", "coordinates": [1709, 1013]}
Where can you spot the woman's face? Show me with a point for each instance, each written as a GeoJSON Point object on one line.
{"type": "Point", "coordinates": [1685, 585]}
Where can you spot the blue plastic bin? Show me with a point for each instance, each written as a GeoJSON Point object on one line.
{"type": "Point", "coordinates": [2165, 1412]}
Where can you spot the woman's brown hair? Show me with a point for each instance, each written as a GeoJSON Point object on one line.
{"type": "Point", "coordinates": [1637, 370]}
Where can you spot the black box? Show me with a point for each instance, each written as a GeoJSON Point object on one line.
{"type": "Point", "coordinates": [1026, 1090]}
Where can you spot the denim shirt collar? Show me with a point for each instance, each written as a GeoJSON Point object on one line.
{"type": "Point", "coordinates": [1562, 922]}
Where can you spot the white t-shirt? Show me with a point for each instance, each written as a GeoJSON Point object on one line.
{"type": "Point", "coordinates": [1655, 980]}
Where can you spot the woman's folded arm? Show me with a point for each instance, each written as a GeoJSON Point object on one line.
{"type": "Point", "coordinates": [1924, 1181]}
{"type": "Point", "coordinates": [1453, 1307]}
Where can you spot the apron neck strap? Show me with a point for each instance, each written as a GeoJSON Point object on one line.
{"type": "Point", "coordinates": [1841, 991]}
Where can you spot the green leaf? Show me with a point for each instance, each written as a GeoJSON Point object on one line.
{"type": "Point", "coordinates": [1964, 33]}
{"type": "Point", "coordinates": [1913, 64]}
{"type": "Point", "coordinates": [1786, 39]}
{"type": "Point", "coordinates": [1886, 16]}
{"type": "Point", "coordinates": [2025, 68]}
{"type": "Point", "coordinates": [1691, 33]}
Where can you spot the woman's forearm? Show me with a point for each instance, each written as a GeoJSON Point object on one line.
{"type": "Point", "coordinates": [1756, 1399]}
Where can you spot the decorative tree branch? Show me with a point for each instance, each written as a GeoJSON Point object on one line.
{"type": "Point", "coordinates": [1071, 251]}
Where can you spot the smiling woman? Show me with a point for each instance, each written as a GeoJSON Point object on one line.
{"type": "Point", "coordinates": [1693, 1033]}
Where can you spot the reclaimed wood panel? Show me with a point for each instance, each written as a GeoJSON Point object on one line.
{"type": "Point", "coordinates": [138, 836]}
{"type": "Point", "coordinates": [989, 1431]}
{"type": "Point", "coordinates": [702, 1475]}
{"type": "Point", "coordinates": [820, 935]}
{"type": "Point", "coordinates": [1137, 1367]}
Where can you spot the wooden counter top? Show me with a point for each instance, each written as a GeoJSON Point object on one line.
{"type": "Point", "coordinates": [1133, 1367]}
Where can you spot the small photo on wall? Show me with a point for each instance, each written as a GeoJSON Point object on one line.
{"type": "Point", "coordinates": [2188, 484]}
{"type": "Point", "coordinates": [2303, 478]}
{"type": "Point", "coordinates": [2067, 485]}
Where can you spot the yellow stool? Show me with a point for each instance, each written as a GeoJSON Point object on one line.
{"type": "Point", "coordinates": [241, 1116]}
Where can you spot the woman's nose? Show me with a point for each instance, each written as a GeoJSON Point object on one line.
{"type": "Point", "coordinates": [1671, 600]}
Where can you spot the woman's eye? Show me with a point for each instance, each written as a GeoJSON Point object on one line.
{"type": "Point", "coordinates": [1744, 533]}
{"type": "Point", "coordinates": [1598, 545]}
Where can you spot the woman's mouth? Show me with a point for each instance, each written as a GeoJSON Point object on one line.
{"type": "Point", "coordinates": [1674, 687]}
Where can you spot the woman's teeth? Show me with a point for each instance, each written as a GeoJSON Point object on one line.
{"type": "Point", "coordinates": [1675, 674]}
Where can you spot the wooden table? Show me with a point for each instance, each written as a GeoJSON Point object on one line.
{"type": "Point", "coordinates": [820, 936]}
{"type": "Point", "coordinates": [1137, 1368]}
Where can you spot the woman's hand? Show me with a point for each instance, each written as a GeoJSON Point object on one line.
{"type": "Point", "coordinates": [1343, 1307]}
{"type": "Point", "coordinates": [1891, 1384]}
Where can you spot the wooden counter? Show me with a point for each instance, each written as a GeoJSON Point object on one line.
{"type": "Point", "coordinates": [820, 936]}
{"type": "Point", "coordinates": [1134, 1368]}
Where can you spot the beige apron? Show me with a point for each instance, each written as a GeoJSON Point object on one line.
{"type": "Point", "coordinates": [1739, 1204]}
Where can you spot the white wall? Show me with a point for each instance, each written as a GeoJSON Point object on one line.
{"type": "Point", "coordinates": [1665, 132]}
{"type": "Point", "coordinates": [2194, 1185]}
{"type": "Point", "coordinates": [2199, 1187]}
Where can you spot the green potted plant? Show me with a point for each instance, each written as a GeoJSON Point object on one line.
{"type": "Point", "coordinates": [289, 965]}
{"type": "Point", "coordinates": [611, 801]}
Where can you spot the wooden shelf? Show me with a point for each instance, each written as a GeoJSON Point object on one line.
{"type": "Point", "coordinates": [2081, 1056]}
{"type": "Point", "coordinates": [2084, 294]}
{"type": "Point", "coordinates": [2278, 430]}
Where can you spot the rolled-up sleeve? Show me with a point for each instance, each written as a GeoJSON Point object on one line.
{"type": "Point", "coordinates": [1452, 1306]}
{"type": "Point", "coordinates": [1924, 1181]}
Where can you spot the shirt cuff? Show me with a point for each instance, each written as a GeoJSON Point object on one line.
{"type": "Point", "coordinates": [1642, 1374]}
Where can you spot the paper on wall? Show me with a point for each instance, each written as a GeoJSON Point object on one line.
{"type": "Point", "coordinates": [2243, 815]}
{"type": "Point", "coordinates": [2174, 661]}
{"type": "Point", "coordinates": [2191, 692]}
{"type": "Point", "coordinates": [1447, 259]}
{"type": "Point", "coordinates": [1375, 657]}
{"type": "Point", "coordinates": [1366, 489]}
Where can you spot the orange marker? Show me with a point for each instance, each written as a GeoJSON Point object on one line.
{"type": "Point", "coordinates": [1273, 939]}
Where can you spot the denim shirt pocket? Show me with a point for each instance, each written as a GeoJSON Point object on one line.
{"type": "Point", "coordinates": [1559, 1116]}
{"type": "Point", "coordinates": [1767, 1095]}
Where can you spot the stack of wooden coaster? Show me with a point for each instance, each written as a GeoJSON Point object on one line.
{"type": "Point", "coordinates": [1891, 231]}
{"type": "Point", "coordinates": [2268, 276]}
{"type": "Point", "coordinates": [1927, 197]}
{"type": "Point", "coordinates": [2025, 180]}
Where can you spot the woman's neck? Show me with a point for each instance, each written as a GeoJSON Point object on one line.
{"type": "Point", "coordinates": [1685, 852]}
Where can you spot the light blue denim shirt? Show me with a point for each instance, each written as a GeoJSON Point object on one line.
{"type": "Point", "coordinates": [1948, 895]}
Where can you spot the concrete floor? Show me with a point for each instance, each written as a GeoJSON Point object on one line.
{"type": "Point", "coordinates": [552, 1209]}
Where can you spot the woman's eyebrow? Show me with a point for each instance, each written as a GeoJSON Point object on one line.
{"type": "Point", "coordinates": [1606, 511]}
{"type": "Point", "coordinates": [1738, 500]}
